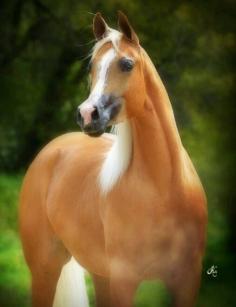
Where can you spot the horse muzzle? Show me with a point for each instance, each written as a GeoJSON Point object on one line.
{"type": "Point", "coordinates": [95, 116]}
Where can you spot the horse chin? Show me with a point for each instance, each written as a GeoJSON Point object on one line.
{"type": "Point", "coordinates": [95, 129]}
{"type": "Point", "coordinates": [95, 133]}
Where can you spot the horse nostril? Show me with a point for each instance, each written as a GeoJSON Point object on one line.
{"type": "Point", "coordinates": [95, 114]}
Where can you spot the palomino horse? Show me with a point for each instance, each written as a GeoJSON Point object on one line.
{"type": "Point", "coordinates": [128, 207]}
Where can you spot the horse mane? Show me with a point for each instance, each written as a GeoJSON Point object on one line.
{"type": "Point", "coordinates": [160, 100]}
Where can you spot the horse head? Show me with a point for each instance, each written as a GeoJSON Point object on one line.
{"type": "Point", "coordinates": [116, 77]}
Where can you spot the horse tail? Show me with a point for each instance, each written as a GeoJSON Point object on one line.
{"type": "Point", "coordinates": [71, 287]}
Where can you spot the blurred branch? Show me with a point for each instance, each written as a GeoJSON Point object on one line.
{"type": "Point", "coordinates": [44, 120]}
{"type": "Point", "coordinates": [21, 46]}
{"type": "Point", "coordinates": [71, 32]}
{"type": "Point", "coordinates": [18, 45]}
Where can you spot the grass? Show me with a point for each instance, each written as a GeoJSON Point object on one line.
{"type": "Point", "coordinates": [15, 278]}
{"type": "Point", "coordinates": [14, 275]}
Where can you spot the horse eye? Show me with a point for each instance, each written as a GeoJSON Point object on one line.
{"type": "Point", "coordinates": [126, 64]}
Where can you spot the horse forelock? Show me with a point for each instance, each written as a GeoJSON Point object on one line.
{"type": "Point", "coordinates": [112, 36]}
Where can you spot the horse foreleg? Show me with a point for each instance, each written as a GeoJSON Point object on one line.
{"type": "Point", "coordinates": [45, 274]}
{"type": "Point", "coordinates": [45, 256]}
{"type": "Point", "coordinates": [102, 291]}
{"type": "Point", "coordinates": [44, 281]}
{"type": "Point", "coordinates": [184, 288]}
{"type": "Point", "coordinates": [123, 285]}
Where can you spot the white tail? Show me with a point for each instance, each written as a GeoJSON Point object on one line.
{"type": "Point", "coordinates": [71, 288]}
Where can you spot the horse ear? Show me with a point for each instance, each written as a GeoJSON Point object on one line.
{"type": "Point", "coordinates": [100, 28]}
{"type": "Point", "coordinates": [126, 28]}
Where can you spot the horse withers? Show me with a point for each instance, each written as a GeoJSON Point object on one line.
{"type": "Point", "coordinates": [129, 206]}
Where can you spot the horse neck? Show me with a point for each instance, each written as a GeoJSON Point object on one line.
{"type": "Point", "coordinates": [156, 142]}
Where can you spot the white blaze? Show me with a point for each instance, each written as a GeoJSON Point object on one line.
{"type": "Point", "coordinates": [103, 67]}
{"type": "Point", "coordinates": [88, 106]}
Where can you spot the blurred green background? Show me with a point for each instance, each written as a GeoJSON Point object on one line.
{"type": "Point", "coordinates": [43, 78]}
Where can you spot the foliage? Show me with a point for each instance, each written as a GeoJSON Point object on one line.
{"type": "Point", "coordinates": [14, 280]}
{"type": "Point", "coordinates": [152, 294]}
